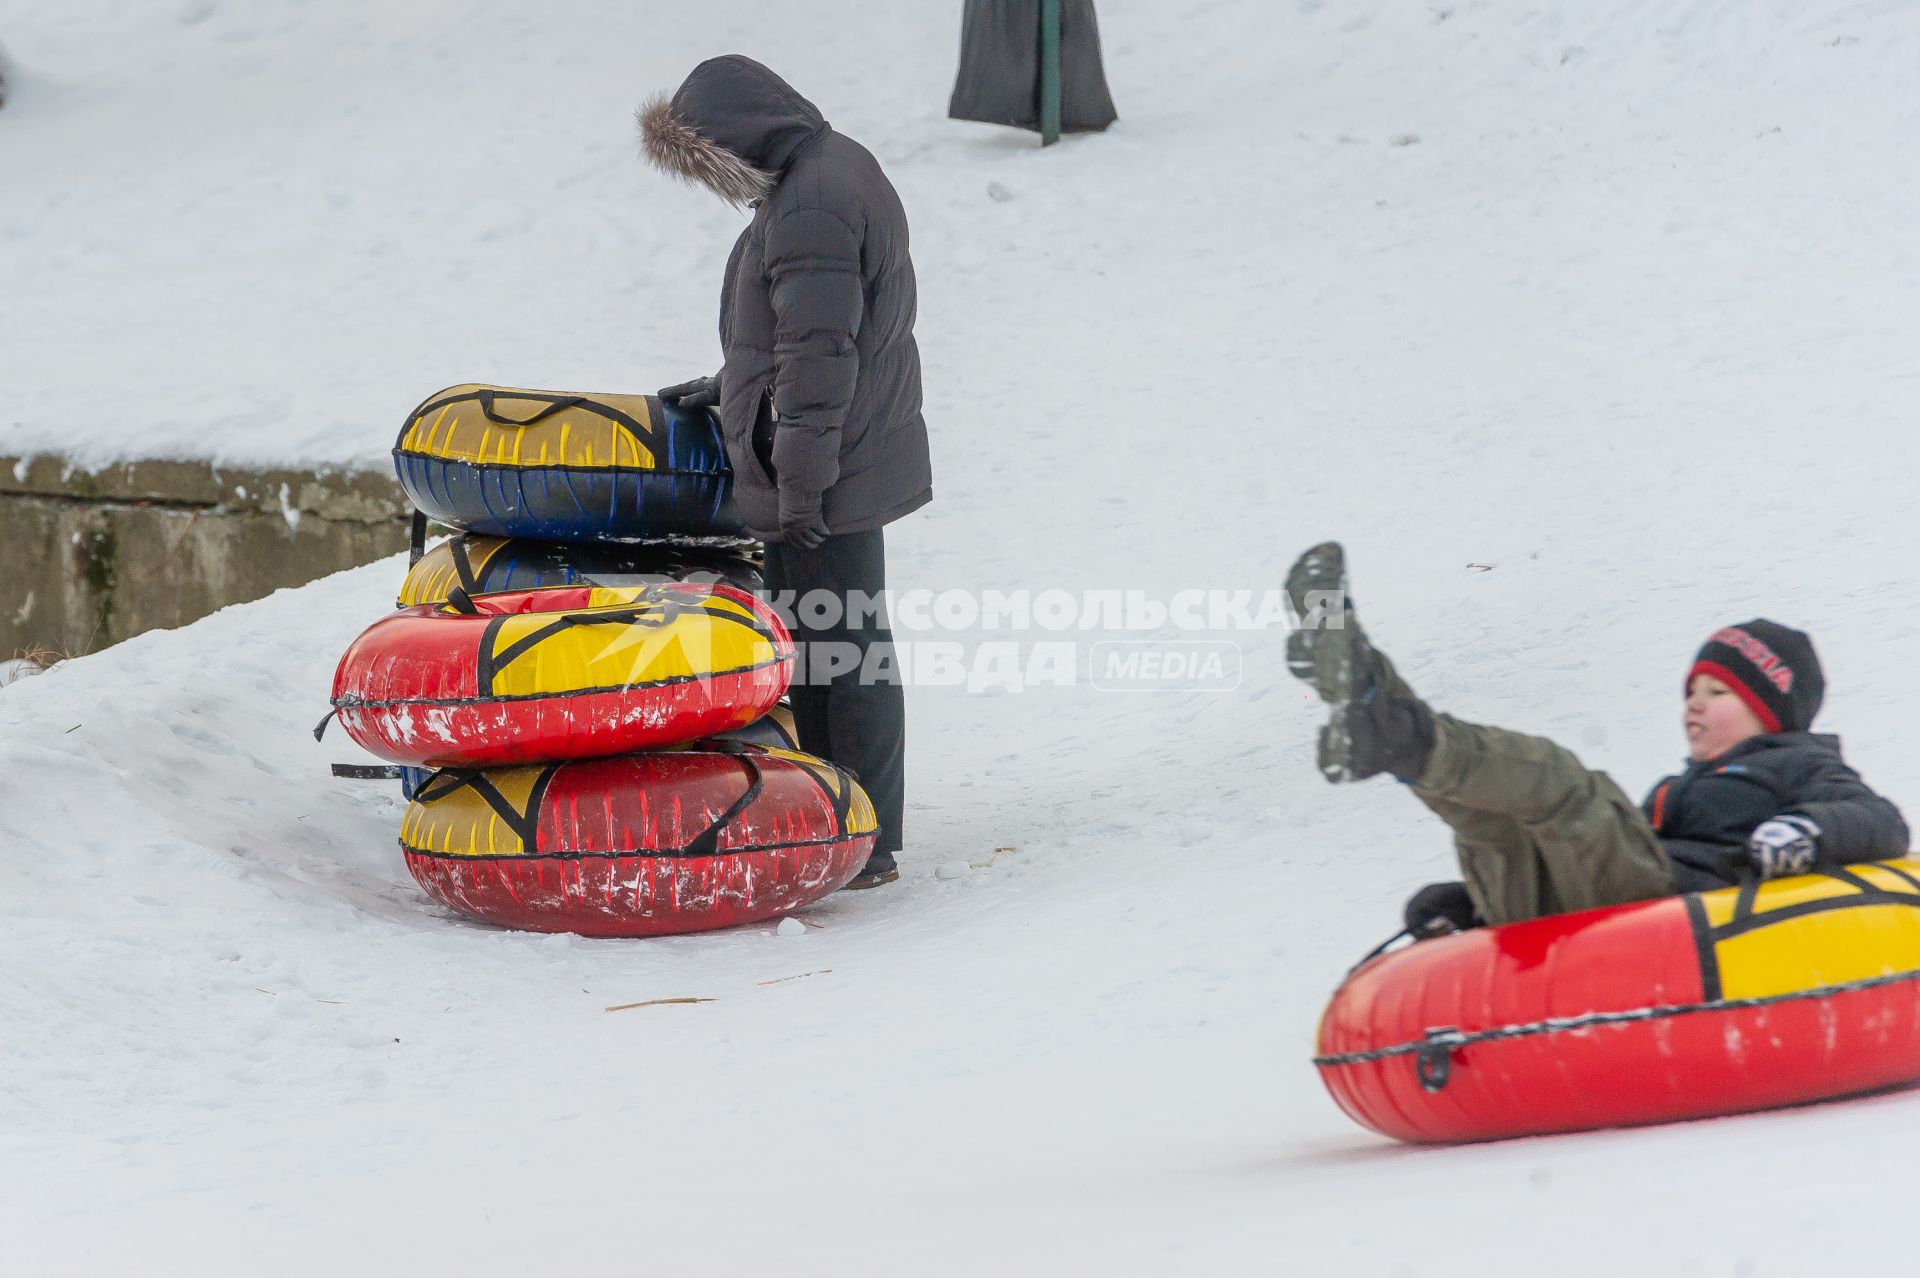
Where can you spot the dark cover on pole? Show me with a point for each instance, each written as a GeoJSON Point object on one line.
{"type": "Point", "coordinates": [999, 80]}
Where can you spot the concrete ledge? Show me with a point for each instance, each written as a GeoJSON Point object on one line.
{"type": "Point", "coordinates": [101, 555]}
{"type": "Point", "coordinates": [368, 496]}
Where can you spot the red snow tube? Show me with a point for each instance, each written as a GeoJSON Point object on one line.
{"type": "Point", "coordinates": [642, 845]}
{"type": "Point", "coordinates": [1791, 991]}
{"type": "Point", "coordinates": [560, 673]}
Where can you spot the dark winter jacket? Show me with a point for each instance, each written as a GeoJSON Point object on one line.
{"type": "Point", "coordinates": [1704, 815]}
{"type": "Point", "coordinates": [816, 316]}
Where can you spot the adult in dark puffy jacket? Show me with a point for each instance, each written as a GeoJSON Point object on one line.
{"type": "Point", "coordinates": [1537, 833]}
{"type": "Point", "coordinates": [819, 394]}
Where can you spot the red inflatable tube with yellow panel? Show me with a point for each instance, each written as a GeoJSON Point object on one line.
{"type": "Point", "coordinates": [1771, 994]}
{"type": "Point", "coordinates": [559, 673]}
{"type": "Point", "coordinates": [642, 845]}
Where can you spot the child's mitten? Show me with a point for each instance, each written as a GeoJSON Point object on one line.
{"type": "Point", "coordinates": [1440, 909]}
{"type": "Point", "coordinates": [1784, 845]}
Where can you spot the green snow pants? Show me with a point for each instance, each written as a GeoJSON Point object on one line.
{"type": "Point", "coordinates": [1537, 833]}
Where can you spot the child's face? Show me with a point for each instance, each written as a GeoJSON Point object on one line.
{"type": "Point", "coordinates": [1716, 720]}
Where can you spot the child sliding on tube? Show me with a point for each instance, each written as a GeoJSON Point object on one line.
{"type": "Point", "coordinates": [1537, 833]}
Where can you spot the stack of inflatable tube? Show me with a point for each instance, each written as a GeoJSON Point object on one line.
{"type": "Point", "coordinates": [518, 697]}
{"type": "Point", "coordinates": [581, 688]}
{"type": "Point", "coordinates": [1778, 993]}
{"type": "Point", "coordinates": [547, 488]}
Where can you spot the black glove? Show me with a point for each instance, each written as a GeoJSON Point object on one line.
{"type": "Point", "coordinates": [701, 392]}
{"type": "Point", "coordinates": [1439, 909]}
{"type": "Point", "coordinates": [1784, 845]}
{"type": "Point", "coordinates": [801, 523]}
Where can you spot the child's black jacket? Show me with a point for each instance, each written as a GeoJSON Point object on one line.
{"type": "Point", "coordinates": [1704, 815]}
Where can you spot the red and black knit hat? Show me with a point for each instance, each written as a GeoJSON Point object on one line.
{"type": "Point", "coordinates": [1771, 667]}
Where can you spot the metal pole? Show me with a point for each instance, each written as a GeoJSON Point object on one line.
{"type": "Point", "coordinates": [1049, 72]}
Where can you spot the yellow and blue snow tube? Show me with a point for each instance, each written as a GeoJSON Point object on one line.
{"type": "Point", "coordinates": [559, 467]}
{"type": "Point", "coordinates": [483, 565]}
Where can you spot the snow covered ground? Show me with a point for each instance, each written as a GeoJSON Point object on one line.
{"type": "Point", "coordinates": [1615, 302]}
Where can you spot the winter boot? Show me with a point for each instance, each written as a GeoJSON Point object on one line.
{"type": "Point", "coordinates": [1376, 724]}
{"type": "Point", "coordinates": [881, 868]}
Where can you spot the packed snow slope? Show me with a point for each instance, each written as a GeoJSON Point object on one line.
{"type": "Point", "coordinates": [1588, 328]}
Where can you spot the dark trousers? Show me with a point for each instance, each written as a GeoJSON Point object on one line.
{"type": "Point", "coordinates": [1537, 833]}
{"type": "Point", "coordinates": [848, 701]}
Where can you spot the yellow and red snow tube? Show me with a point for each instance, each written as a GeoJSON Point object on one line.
{"type": "Point", "coordinates": [560, 673]}
{"type": "Point", "coordinates": [1777, 993]}
{"type": "Point", "coordinates": [642, 845]}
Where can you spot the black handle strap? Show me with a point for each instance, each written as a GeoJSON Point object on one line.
{"type": "Point", "coordinates": [554, 404]}
{"type": "Point", "coordinates": [492, 663]}
{"type": "Point", "coordinates": [1378, 950]}
{"type": "Point", "coordinates": [463, 565]}
{"type": "Point", "coordinates": [449, 781]}
{"type": "Point", "coordinates": [524, 823]}
{"type": "Point", "coordinates": [784, 727]}
{"type": "Point", "coordinates": [367, 771]}
{"type": "Point", "coordinates": [443, 782]}
{"type": "Point", "coordinates": [417, 537]}
{"type": "Point", "coordinates": [840, 801]}
{"type": "Point", "coordinates": [658, 605]}
{"type": "Point", "coordinates": [320, 728]}
{"type": "Point", "coordinates": [650, 433]}
{"type": "Point", "coordinates": [707, 842]}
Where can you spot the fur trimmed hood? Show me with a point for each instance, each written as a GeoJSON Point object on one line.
{"type": "Point", "coordinates": [733, 127]}
{"type": "Point", "coordinates": [676, 147]}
